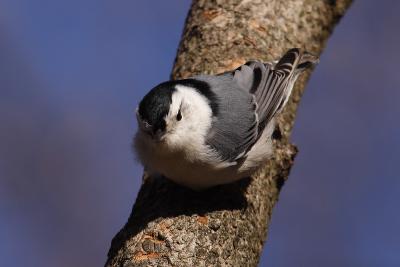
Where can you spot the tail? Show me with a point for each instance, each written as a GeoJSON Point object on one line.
{"type": "Point", "coordinates": [272, 83]}
{"type": "Point", "coordinates": [291, 65]}
{"type": "Point", "coordinates": [296, 61]}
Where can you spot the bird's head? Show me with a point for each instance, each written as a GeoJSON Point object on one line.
{"type": "Point", "coordinates": [175, 113]}
{"type": "Point", "coordinates": [153, 111]}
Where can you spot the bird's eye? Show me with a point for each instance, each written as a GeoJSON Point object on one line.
{"type": "Point", "coordinates": [179, 116]}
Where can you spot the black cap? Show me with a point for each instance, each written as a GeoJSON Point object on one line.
{"type": "Point", "coordinates": [154, 107]}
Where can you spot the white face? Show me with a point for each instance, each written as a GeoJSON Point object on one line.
{"type": "Point", "coordinates": [188, 120]}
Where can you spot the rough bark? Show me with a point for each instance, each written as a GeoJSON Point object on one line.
{"type": "Point", "coordinates": [227, 225]}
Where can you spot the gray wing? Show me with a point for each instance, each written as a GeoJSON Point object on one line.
{"type": "Point", "coordinates": [234, 119]}
{"type": "Point", "coordinates": [249, 97]}
{"type": "Point", "coordinates": [272, 84]}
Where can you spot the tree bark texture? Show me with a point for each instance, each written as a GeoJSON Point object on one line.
{"type": "Point", "coordinates": [226, 225]}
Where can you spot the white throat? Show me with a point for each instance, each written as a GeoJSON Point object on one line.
{"type": "Point", "coordinates": [188, 135]}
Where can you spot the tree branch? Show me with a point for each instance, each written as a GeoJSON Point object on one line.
{"type": "Point", "coordinates": [226, 225]}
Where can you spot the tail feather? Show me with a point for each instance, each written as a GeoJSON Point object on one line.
{"type": "Point", "coordinates": [296, 59]}
{"type": "Point", "coordinates": [307, 60]}
{"type": "Point", "coordinates": [288, 61]}
{"type": "Point", "coordinates": [272, 83]}
{"type": "Point", "coordinates": [292, 64]}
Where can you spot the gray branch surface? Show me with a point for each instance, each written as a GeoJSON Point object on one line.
{"type": "Point", "coordinates": [226, 225]}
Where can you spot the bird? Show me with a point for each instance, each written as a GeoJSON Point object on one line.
{"type": "Point", "coordinates": [209, 130]}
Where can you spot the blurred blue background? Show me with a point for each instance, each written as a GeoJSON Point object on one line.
{"type": "Point", "coordinates": [71, 74]}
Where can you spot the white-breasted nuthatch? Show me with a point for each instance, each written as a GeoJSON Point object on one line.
{"type": "Point", "coordinates": [215, 129]}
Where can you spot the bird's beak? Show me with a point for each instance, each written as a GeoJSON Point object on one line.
{"type": "Point", "coordinates": [155, 134]}
{"type": "Point", "coordinates": [143, 125]}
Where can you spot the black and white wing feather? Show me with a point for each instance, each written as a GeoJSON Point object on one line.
{"type": "Point", "coordinates": [270, 86]}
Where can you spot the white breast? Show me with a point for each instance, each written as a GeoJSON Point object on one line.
{"type": "Point", "coordinates": [203, 172]}
{"type": "Point", "coordinates": [183, 155]}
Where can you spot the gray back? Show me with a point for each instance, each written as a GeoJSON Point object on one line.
{"type": "Point", "coordinates": [236, 117]}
